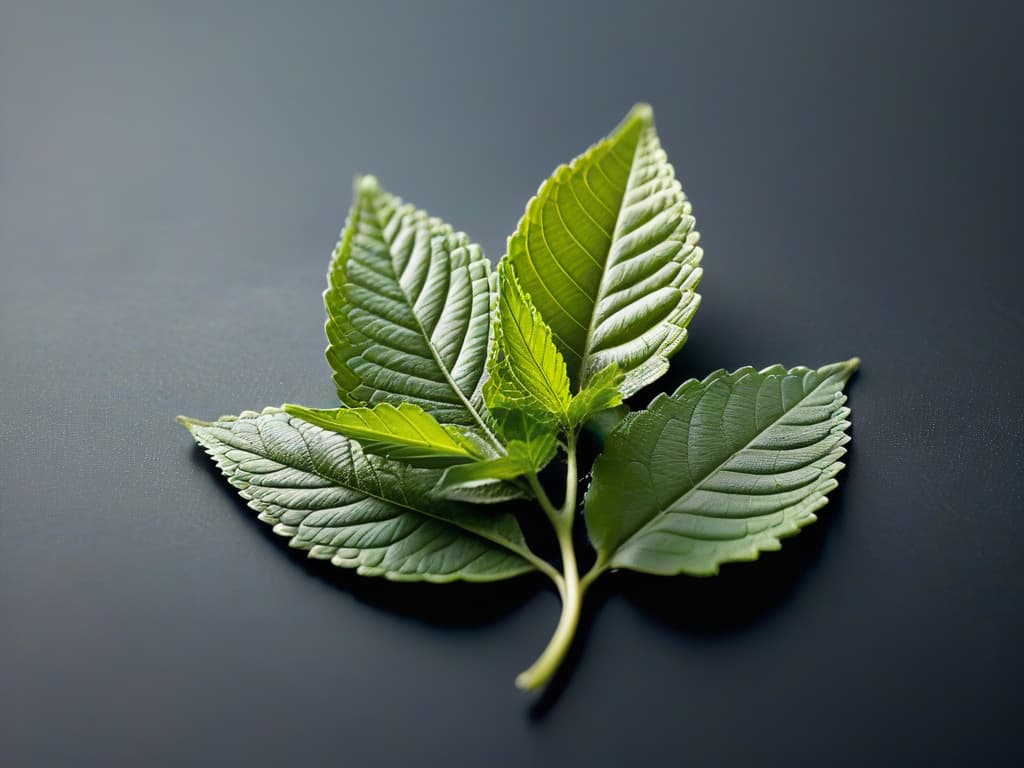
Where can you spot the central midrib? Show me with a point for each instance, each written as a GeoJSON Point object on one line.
{"type": "Point", "coordinates": [601, 287]}
{"type": "Point", "coordinates": [426, 337]}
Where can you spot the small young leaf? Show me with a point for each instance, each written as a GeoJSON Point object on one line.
{"type": "Point", "coordinates": [406, 433]}
{"type": "Point", "coordinates": [601, 393]}
{"type": "Point", "coordinates": [482, 491]}
{"type": "Point", "coordinates": [609, 255]}
{"type": "Point", "coordinates": [509, 467]}
{"type": "Point", "coordinates": [526, 370]}
{"type": "Point", "coordinates": [536, 436]}
{"type": "Point", "coordinates": [720, 470]}
{"type": "Point", "coordinates": [363, 512]}
{"type": "Point", "coordinates": [530, 443]}
{"type": "Point", "coordinates": [408, 311]}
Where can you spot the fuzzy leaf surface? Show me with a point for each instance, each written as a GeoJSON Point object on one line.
{"type": "Point", "coordinates": [720, 470]}
{"type": "Point", "coordinates": [608, 252]}
{"type": "Point", "coordinates": [406, 433]}
{"type": "Point", "coordinates": [408, 311]}
{"type": "Point", "coordinates": [321, 491]}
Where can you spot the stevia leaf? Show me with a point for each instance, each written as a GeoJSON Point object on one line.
{"type": "Point", "coordinates": [530, 445]}
{"type": "Point", "coordinates": [526, 371]}
{"type": "Point", "coordinates": [483, 491]}
{"type": "Point", "coordinates": [406, 433]}
{"type": "Point", "coordinates": [536, 437]}
{"type": "Point", "coordinates": [608, 252]}
{"type": "Point", "coordinates": [720, 470]}
{"type": "Point", "coordinates": [408, 311]}
{"type": "Point", "coordinates": [508, 467]}
{"type": "Point", "coordinates": [321, 491]}
{"type": "Point", "coordinates": [602, 392]}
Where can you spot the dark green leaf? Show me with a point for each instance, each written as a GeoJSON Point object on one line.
{"type": "Point", "coordinates": [720, 470]}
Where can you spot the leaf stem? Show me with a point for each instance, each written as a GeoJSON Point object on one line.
{"type": "Point", "coordinates": [571, 589]}
{"type": "Point", "coordinates": [572, 596]}
{"type": "Point", "coordinates": [546, 568]}
{"type": "Point", "coordinates": [590, 576]}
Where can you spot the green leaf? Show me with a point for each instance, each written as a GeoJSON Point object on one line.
{"type": "Point", "coordinates": [320, 490]}
{"type": "Point", "coordinates": [526, 370]}
{"type": "Point", "coordinates": [608, 252]}
{"type": "Point", "coordinates": [536, 437]}
{"type": "Point", "coordinates": [408, 311]}
{"type": "Point", "coordinates": [720, 470]}
{"type": "Point", "coordinates": [522, 459]}
{"type": "Point", "coordinates": [482, 490]}
{"type": "Point", "coordinates": [602, 392]}
{"type": "Point", "coordinates": [530, 444]}
{"type": "Point", "coordinates": [406, 433]}
{"type": "Point", "coordinates": [508, 467]}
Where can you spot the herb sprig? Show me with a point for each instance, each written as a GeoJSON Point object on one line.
{"type": "Point", "coordinates": [461, 383]}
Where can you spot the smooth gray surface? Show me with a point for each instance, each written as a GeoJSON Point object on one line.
{"type": "Point", "coordinates": [172, 178]}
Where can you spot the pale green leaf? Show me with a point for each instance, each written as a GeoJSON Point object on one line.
{"type": "Point", "coordinates": [602, 392]}
{"type": "Point", "coordinates": [526, 370]}
{"type": "Point", "coordinates": [408, 311]}
{"type": "Point", "coordinates": [406, 433]}
{"type": "Point", "coordinates": [720, 470]}
{"type": "Point", "coordinates": [608, 252]}
{"type": "Point", "coordinates": [321, 491]}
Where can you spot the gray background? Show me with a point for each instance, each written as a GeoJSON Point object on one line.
{"type": "Point", "coordinates": [172, 178]}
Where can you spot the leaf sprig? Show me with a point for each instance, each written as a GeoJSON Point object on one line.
{"type": "Point", "coordinates": [460, 385]}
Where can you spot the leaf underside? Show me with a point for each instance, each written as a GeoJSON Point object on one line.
{"type": "Point", "coordinates": [408, 311]}
{"type": "Point", "coordinates": [608, 252]}
{"type": "Point", "coordinates": [720, 470]}
{"type": "Point", "coordinates": [320, 490]}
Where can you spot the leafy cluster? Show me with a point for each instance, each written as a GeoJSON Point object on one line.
{"type": "Point", "coordinates": [460, 384]}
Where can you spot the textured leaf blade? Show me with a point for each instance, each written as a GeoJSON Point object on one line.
{"type": "Point", "coordinates": [320, 490]}
{"type": "Point", "coordinates": [608, 252]}
{"type": "Point", "coordinates": [720, 470]}
{"type": "Point", "coordinates": [408, 310]}
{"type": "Point", "coordinates": [526, 370]}
{"type": "Point", "coordinates": [406, 433]}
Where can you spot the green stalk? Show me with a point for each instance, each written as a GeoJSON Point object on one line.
{"type": "Point", "coordinates": [571, 590]}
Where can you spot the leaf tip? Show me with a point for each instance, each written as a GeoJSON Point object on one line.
{"type": "Point", "coordinates": [367, 184]}
{"type": "Point", "coordinates": [189, 423]}
{"type": "Point", "coordinates": [642, 111]}
{"type": "Point", "coordinates": [848, 367]}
